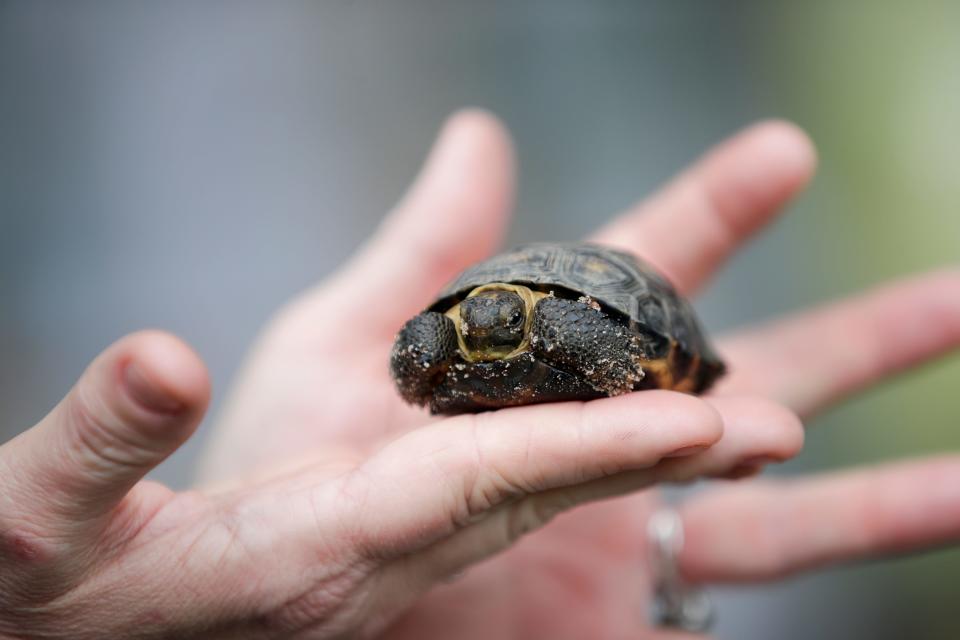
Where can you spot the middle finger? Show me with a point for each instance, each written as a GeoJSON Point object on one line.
{"type": "Point", "coordinates": [694, 224]}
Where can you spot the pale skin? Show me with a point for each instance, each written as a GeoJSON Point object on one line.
{"type": "Point", "coordinates": [329, 509]}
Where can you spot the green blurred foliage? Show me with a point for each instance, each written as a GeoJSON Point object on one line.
{"type": "Point", "coordinates": [877, 84]}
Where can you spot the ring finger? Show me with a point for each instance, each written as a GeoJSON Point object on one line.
{"type": "Point", "coordinates": [768, 530]}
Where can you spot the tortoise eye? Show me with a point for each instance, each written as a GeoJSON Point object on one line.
{"type": "Point", "coordinates": [515, 318]}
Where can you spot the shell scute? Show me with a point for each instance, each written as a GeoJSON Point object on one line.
{"type": "Point", "coordinates": [617, 280]}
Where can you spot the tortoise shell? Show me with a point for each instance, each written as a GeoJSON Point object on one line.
{"type": "Point", "coordinates": [621, 284]}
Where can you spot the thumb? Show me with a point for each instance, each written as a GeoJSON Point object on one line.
{"type": "Point", "coordinates": [134, 405]}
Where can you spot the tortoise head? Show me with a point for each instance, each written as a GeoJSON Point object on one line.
{"type": "Point", "coordinates": [492, 323]}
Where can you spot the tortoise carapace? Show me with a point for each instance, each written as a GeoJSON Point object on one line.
{"type": "Point", "coordinates": [549, 322]}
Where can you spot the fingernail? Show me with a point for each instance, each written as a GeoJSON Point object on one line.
{"type": "Point", "coordinates": [146, 394]}
{"type": "Point", "coordinates": [687, 451]}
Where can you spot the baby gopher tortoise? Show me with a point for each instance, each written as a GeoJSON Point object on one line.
{"type": "Point", "coordinates": [548, 322]}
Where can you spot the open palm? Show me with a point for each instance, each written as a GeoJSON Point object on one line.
{"type": "Point", "coordinates": [316, 390]}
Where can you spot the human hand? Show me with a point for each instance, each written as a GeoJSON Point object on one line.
{"type": "Point", "coordinates": [583, 575]}
{"type": "Point", "coordinates": [335, 544]}
{"type": "Point", "coordinates": [336, 549]}
{"type": "Point", "coordinates": [269, 557]}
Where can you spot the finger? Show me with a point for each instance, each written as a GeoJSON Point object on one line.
{"type": "Point", "coordinates": [755, 433]}
{"type": "Point", "coordinates": [689, 228]}
{"type": "Point", "coordinates": [810, 360]}
{"type": "Point", "coordinates": [133, 406]}
{"type": "Point", "coordinates": [454, 215]}
{"type": "Point", "coordinates": [443, 477]}
{"type": "Point", "coordinates": [764, 531]}
{"type": "Point", "coordinates": [760, 433]}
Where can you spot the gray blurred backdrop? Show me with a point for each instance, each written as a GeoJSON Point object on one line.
{"type": "Point", "coordinates": [191, 165]}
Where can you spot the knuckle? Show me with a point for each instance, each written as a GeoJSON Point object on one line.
{"type": "Point", "coordinates": [21, 545]}
{"type": "Point", "coordinates": [351, 500]}
{"type": "Point", "coordinates": [771, 559]}
{"type": "Point", "coordinates": [38, 567]}
{"type": "Point", "coordinates": [490, 490]}
{"type": "Point", "coordinates": [770, 555]}
{"type": "Point", "coordinates": [481, 484]}
{"type": "Point", "coordinates": [97, 435]}
{"type": "Point", "coordinates": [320, 609]}
{"type": "Point", "coordinates": [587, 464]}
{"type": "Point", "coordinates": [533, 513]}
{"type": "Point", "coordinates": [479, 478]}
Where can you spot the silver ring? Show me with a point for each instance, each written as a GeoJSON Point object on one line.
{"type": "Point", "coordinates": [677, 604]}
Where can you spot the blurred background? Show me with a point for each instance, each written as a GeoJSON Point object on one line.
{"type": "Point", "coordinates": [191, 166]}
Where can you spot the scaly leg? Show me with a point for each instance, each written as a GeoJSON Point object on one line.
{"type": "Point", "coordinates": [578, 337]}
{"type": "Point", "coordinates": [423, 351]}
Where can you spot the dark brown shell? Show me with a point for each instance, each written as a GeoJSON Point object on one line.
{"type": "Point", "coordinates": [618, 281]}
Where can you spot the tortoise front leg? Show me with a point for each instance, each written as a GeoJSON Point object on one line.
{"type": "Point", "coordinates": [579, 338]}
{"type": "Point", "coordinates": [423, 351]}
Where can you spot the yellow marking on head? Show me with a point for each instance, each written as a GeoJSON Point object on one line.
{"type": "Point", "coordinates": [530, 299]}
